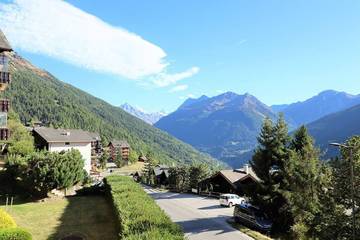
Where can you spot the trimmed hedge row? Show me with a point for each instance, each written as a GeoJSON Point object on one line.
{"type": "Point", "coordinates": [14, 234]}
{"type": "Point", "coordinates": [138, 215]}
{"type": "Point", "coordinates": [8, 229]}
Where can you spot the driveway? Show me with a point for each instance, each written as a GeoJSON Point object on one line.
{"type": "Point", "coordinates": [200, 217]}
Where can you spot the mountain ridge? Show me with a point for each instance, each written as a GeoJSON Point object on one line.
{"type": "Point", "coordinates": [318, 106]}
{"type": "Point", "coordinates": [225, 126]}
{"type": "Point", "coordinates": [150, 118]}
{"type": "Point", "coordinates": [35, 94]}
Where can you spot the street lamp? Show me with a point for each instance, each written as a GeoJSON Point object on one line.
{"type": "Point", "coordinates": [351, 180]}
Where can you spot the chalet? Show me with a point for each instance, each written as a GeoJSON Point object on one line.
{"type": "Point", "coordinates": [229, 181]}
{"type": "Point", "coordinates": [57, 140]}
{"type": "Point", "coordinates": [161, 173]}
{"type": "Point", "coordinates": [142, 159]}
{"type": "Point", "coordinates": [5, 79]}
{"type": "Point", "coordinates": [119, 147]}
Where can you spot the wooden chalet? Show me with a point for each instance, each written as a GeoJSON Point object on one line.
{"type": "Point", "coordinates": [161, 173]}
{"type": "Point", "coordinates": [229, 181]}
{"type": "Point", "coordinates": [119, 147]}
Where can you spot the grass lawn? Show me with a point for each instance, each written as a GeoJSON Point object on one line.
{"type": "Point", "coordinates": [91, 216]}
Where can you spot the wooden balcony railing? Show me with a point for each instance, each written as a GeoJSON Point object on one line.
{"type": "Point", "coordinates": [4, 134]}
{"type": "Point", "coordinates": [4, 105]}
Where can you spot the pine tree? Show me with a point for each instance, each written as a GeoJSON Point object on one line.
{"type": "Point", "coordinates": [105, 156]}
{"type": "Point", "coordinates": [268, 162]}
{"type": "Point", "coordinates": [306, 181]}
{"type": "Point", "coordinates": [342, 179]}
{"type": "Point", "coordinates": [198, 173]}
{"type": "Point", "coordinates": [148, 170]}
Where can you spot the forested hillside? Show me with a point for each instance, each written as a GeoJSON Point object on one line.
{"type": "Point", "coordinates": [37, 95]}
{"type": "Point", "coordinates": [336, 127]}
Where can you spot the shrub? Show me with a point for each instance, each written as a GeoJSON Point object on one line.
{"type": "Point", "coordinates": [14, 234]}
{"type": "Point", "coordinates": [6, 221]}
{"type": "Point", "coordinates": [138, 215]}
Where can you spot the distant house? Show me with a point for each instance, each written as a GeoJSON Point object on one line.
{"type": "Point", "coordinates": [229, 181]}
{"type": "Point", "coordinates": [142, 159]}
{"type": "Point", "coordinates": [57, 140]}
{"type": "Point", "coordinates": [161, 173]}
{"type": "Point", "coordinates": [119, 147]}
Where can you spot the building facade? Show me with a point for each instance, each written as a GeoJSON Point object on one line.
{"type": "Point", "coordinates": [119, 147]}
{"type": "Point", "coordinates": [5, 78]}
{"type": "Point", "coordinates": [57, 140]}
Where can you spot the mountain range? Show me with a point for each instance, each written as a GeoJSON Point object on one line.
{"type": "Point", "coordinates": [324, 103]}
{"type": "Point", "coordinates": [149, 118]}
{"type": "Point", "coordinates": [37, 95]}
{"type": "Point", "coordinates": [226, 126]}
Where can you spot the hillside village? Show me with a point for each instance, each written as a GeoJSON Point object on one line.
{"type": "Point", "coordinates": [74, 167]}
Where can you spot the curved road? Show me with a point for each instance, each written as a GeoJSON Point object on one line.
{"type": "Point", "coordinates": [201, 218]}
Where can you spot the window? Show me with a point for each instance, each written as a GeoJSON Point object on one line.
{"type": "Point", "coordinates": [67, 143]}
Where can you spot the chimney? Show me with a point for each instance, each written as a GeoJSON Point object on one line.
{"type": "Point", "coordinates": [246, 168]}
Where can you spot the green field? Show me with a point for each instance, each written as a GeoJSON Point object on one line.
{"type": "Point", "coordinates": [90, 216]}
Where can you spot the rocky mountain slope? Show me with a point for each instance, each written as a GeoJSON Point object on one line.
{"type": "Point", "coordinates": [149, 118]}
{"type": "Point", "coordinates": [225, 126]}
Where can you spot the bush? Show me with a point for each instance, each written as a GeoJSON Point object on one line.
{"type": "Point", "coordinates": [14, 234]}
{"type": "Point", "coordinates": [138, 215]}
{"type": "Point", "coordinates": [6, 221]}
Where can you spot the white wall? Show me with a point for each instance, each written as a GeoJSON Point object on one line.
{"type": "Point", "coordinates": [84, 148]}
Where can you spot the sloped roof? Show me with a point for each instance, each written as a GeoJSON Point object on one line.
{"type": "Point", "coordinates": [52, 135]}
{"type": "Point", "coordinates": [235, 176]}
{"type": "Point", "coordinates": [95, 136]}
{"type": "Point", "coordinates": [4, 44]}
{"type": "Point", "coordinates": [119, 143]}
{"type": "Point", "coordinates": [159, 170]}
{"type": "Point", "coordinates": [162, 166]}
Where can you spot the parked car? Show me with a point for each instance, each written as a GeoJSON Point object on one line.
{"type": "Point", "coordinates": [252, 217]}
{"type": "Point", "coordinates": [230, 200]}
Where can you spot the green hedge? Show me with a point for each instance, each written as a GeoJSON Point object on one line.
{"type": "Point", "coordinates": [6, 221]}
{"type": "Point", "coordinates": [138, 214]}
{"type": "Point", "coordinates": [14, 234]}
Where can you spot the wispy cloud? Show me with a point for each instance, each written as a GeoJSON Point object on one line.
{"type": "Point", "coordinates": [179, 88]}
{"type": "Point", "coordinates": [57, 29]}
{"type": "Point", "coordinates": [165, 79]}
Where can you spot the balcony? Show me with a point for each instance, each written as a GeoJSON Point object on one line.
{"type": "Point", "coordinates": [4, 80]}
{"type": "Point", "coordinates": [4, 134]}
{"type": "Point", "coordinates": [4, 105]}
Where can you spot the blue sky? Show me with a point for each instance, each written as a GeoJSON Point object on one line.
{"type": "Point", "coordinates": [279, 51]}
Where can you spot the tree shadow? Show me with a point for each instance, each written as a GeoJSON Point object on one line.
{"type": "Point", "coordinates": [215, 226]}
{"type": "Point", "coordinates": [87, 217]}
{"type": "Point", "coordinates": [211, 207]}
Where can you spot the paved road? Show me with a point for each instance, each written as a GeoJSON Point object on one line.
{"type": "Point", "coordinates": [201, 218]}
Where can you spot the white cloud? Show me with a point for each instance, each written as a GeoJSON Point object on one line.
{"type": "Point", "coordinates": [179, 88]}
{"type": "Point", "coordinates": [165, 79]}
{"type": "Point", "coordinates": [57, 29]}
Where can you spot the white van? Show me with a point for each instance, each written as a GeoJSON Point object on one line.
{"type": "Point", "coordinates": [230, 200]}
